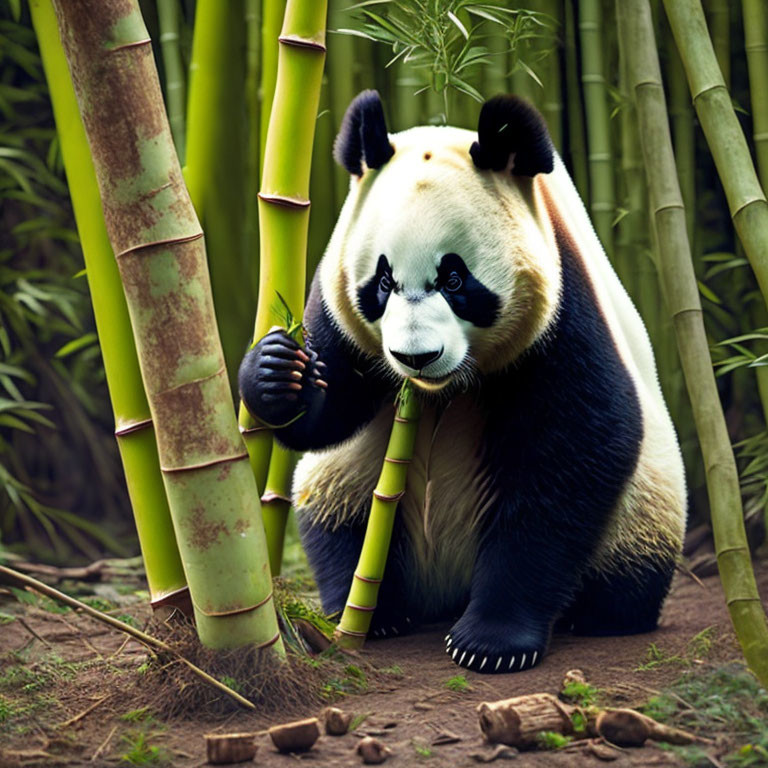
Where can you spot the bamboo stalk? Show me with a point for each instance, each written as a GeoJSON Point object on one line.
{"type": "Point", "coordinates": [169, 14]}
{"type": "Point", "coordinates": [358, 612]}
{"type": "Point", "coordinates": [733, 558]}
{"type": "Point", "coordinates": [755, 14]}
{"type": "Point", "coordinates": [746, 200]}
{"type": "Point", "coordinates": [577, 139]}
{"type": "Point", "coordinates": [272, 16]}
{"type": "Point", "coordinates": [602, 200]}
{"type": "Point", "coordinates": [161, 256]}
{"type": "Point", "coordinates": [552, 98]}
{"type": "Point", "coordinates": [284, 201]}
{"type": "Point", "coordinates": [133, 424]}
{"type": "Point", "coordinates": [216, 156]}
{"type": "Point", "coordinates": [148, 640]}
{"type": "Point", "coordinates": [718, 15]}
{"type": "Point", "coordinates": [253, 145]}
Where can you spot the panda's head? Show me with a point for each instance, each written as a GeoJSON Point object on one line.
{"type": "Point", "coordinates": [443, 260]}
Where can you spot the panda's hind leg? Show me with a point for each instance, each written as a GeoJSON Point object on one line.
{"type": "Point", "coordinates": [625, 600]}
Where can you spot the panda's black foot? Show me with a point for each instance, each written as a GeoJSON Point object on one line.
{"type": "Point", "coordinates": [495, 649]}
{"type": "Point", "coordinates": [386, 628]}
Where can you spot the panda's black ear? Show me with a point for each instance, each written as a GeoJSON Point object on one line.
{"type": "Point", "coordinates": [508, 125]}
{"type": "Point", "coordinates": [363, 135]}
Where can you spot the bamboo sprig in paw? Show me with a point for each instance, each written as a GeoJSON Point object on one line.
{"type": "Point", "coordinates": [361, 603]}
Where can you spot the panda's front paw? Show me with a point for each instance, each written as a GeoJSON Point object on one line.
{"type": "Point", "coordinates": [279, 380]}
{"type": "Point", "coordinates": [386, 627]}
{"type": "Point", "coordinates": [496, 647]}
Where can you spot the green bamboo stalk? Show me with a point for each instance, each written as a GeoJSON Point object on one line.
{"type": "Point", "coordinates": [364, 591]}
{"type": "Point", "coordinates": [495, 73]}
{"type": "Point", "coordinates": [602, 203]}
{"type": "Point", "coordinates": [276, 502]}
{"type": "Point", "coordinates": [718, 15]}
{"type": "Point", "coordinates": [756, 46]}
{"type": "Point", "coordinates": [552, 97]}
{"type": "Point", "coordinates": [577, 138]}
{"type": "Point", "coordinates": [683, 133]}
{"type": "Point", "coordinates": [272, 15]}
{"type": "Point", "coordinates": [216, 156]}
{"type": "Point", "coordinates": [284, 197]}
{"type": "Point", "coordinates": [253, 158]}
{"type": "Point", "coordinates": [746, 200]}
{"type": "Point", "coordinates": [733, 559]}
{"type": "Point", "coordinates": [133, 424]}
{"type": "Point", "coordinates": [169, 15]}
{"type": "Point", "coordinates": [160, 253]}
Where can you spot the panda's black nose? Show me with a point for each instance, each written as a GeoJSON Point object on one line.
{"type": "Point", "coordinates": [418, 361]}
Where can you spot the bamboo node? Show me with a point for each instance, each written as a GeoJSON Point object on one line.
{"type": "Point", "coordinates": [396, 461]}
{"type": "Point", "coordinates": [134, 44]}
{"type": "Point", "coordinates": [203, 464]}
{"type": "Point", "coordinates": [351, 632]}
{"type": "Point", "coordinates": [391, 497]}
{"type": "Point", "coordinates": [760, 136]}
{"type": "Point", "coordinates": [403, 420]}
{"type": "Point", "coordinates": [268, 643]}
{"type": "Point", "coordinates": [284, 200]}
{"type": "Point", "coordinates": [234, 611]}
{"type": "Point", "coordinates": [156, 243]}
{"type": "Point", "coordinates": [301, 42]}
{"type": "Point", "coordinates": [749, 201]}
{"type": "Point", "coordinates": [709, 88]}
{"type": "Point", "coordinates": [366, 579]}
{"type": "Point", "coordinates": [270, 496]}
{"type": "Point", "coordinates": [135, 426]}
{"type": "Point", "coordinates": [252, 430]}
{"type": "Point", "coordinates": [364, 608]}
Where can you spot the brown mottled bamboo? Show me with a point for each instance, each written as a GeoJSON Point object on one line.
{"type": "Point", "coordinates": [161, 256]}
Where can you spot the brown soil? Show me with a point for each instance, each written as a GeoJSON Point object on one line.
{"type": "Point", "coordinates": [76, 714]}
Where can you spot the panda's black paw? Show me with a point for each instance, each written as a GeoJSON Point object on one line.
{"type": "Point", "coordinates": [279, 380]}
{"type": "Point", "coordinates": [386, 628]}
{"type": "Point", "coordinates": [496, 648]}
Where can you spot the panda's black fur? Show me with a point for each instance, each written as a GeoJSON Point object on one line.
{"type": "Point", "coordinates": [561, 440]}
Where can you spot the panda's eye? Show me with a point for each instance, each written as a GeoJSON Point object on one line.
{"type": "Point", "coordinates": [385, 283]}
{"type": "Point", "coordinates": [453, 283]}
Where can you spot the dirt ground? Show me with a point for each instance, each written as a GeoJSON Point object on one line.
{"type": "Point", "coordinates": [68, 692]}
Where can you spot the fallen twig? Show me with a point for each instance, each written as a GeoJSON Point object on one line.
{"type": "Point", "coordinates": [81, 715]}
{"type": "Point", "coordinates": [142, 637]}
{"type": "Point", "coordinates": [104, 744]}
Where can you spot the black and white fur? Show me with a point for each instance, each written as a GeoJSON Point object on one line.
{"type": "Point", "coordinates": [547, 482]}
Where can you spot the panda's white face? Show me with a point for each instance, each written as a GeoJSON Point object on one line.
{"type": "Point", "coordinates": [438, 269]}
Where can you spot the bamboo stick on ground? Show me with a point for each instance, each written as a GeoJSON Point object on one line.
{"type": "Point", "coordinates": [169, 17]}
{"type": "Point", "coordinates": [356, 618]}
{"type": "Point", "coordinates": [733, 558]}
{"type": "Point", "coordinates": [284, 213]}
{"type": "Point", "coordinates": [133, 423]}
{"type": "Point", "coordinates": [746, 200]}
{"type": "Point", "coordinates": [160, 252]}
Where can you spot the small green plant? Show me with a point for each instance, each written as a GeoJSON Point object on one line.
{"type": "Point", "coordinates": [422, 750]}
{"type": "Point", "coordinates": [7, 709]}
{"type": "Point", "coordinates": [141, 752]}
{"type": "Point", "coordinates": [458, 684]}
{"type": "Point", "coordinates": [230, 682]}
{"type": "Point", "coordinates": [581, 693]}
{"type": "Point", "coordinates": [140, 715]}
{"type": "Point", "coordinates": [552, 740]}
{"type": "Point", "coordinates": [579, 720]}
{"type": "Point", "coordinates": [395, 670]}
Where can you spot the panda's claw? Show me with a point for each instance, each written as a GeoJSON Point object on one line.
{"type": "Point", "coordinates": [498, 664]}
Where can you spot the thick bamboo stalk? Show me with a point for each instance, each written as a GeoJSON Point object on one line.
{"type": "Point", "coordinates": [253, 145]}
{"type": "Point", "coordinates": [746, 200]}
{"type": "Point", "coordinates": [552, 99]}
{"type": "Point", "coordinates": [733, 558]}
{"type": "Point", "coordinates": [363, 593]}
{"type": "Point", "coordinates": [160, 252]}
{"type": "Point", "coordinates": [576, 137]}
{"type": "Point", "coordinates": [169, 17]}
{"type": "Point", "coordinates": [216, 156]}
{"type": "Point", "coordinates": [602, 202]}
{"type": "Point", "coordinates": [133, 423]}
{"type": "Point", "coordinates": [284, 197]}
{"type": "Point", "coordinates": [272, 16]}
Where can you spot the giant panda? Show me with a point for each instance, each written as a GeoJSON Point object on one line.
{"type": "Point", "coordinates": [547, 483]}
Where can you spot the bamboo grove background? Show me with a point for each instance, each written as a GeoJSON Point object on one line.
{"type": "Point", "coordinates": [64, 495]}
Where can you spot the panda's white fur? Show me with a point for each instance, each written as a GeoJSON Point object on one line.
{"type": "Point", "coordinates": [430, 199]}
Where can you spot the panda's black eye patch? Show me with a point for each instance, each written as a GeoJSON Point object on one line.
{"type": "Point", "coordinates": [469, 299]}
{"type": "Point", "coordinates": [372, 295]}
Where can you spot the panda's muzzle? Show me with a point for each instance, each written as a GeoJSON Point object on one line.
{"type": "Point", "coordinates": [418, 361]}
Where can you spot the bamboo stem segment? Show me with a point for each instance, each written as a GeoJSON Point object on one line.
{"type": "Point", "coordinates": [161, 257]}
{"type": "Point", "coordinates": [134, 431]}
{"type": "Point", "coordinates": [284, 207]}
{"type": "Point", "coordinates": [749, 621]}
{"type": "Point", "coordinates": [361, 603]}
{"type": "Point", "coordinates": [169, 17]}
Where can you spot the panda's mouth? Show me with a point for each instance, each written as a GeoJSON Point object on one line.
{"type": "Point", "coordinates": [432, 384]}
